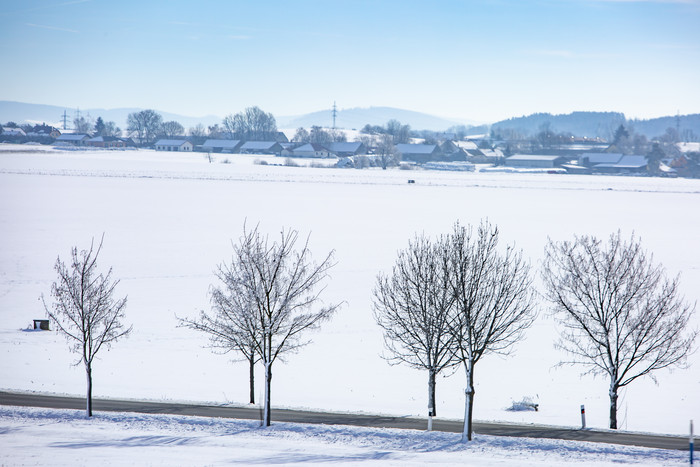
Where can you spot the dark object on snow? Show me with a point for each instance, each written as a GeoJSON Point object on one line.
{"type": "Point", "coordinates": [42, 324]}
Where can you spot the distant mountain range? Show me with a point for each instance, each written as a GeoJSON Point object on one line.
{"type": "Point", "coordinates": [582, 124]}
{"type": "Point", "coordinates": [20, 112]}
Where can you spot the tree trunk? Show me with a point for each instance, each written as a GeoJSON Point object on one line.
{"type": "Point", "coordinates": [613, 405]}
{"type": "Point", "coordinates": [251, 378]}
{"type": "Point", "coordinates": [88, 401]}
{"type": "Point", "coordinates": [468, 402]}
{"type": "Point", "coordinates": [268, 385]}
{"type": "Point", "coordinates": [432, 411]}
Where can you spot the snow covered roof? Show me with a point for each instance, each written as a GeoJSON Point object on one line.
{"type": "Point", "coordinates": [310, 147]}
{"type": "Point", "coordinates": [171, 142]}
{"type": "Point", "coordinates": [258, 145]}
{"type": "Point", "coordinates": [71, 137]}
{"type": "Point", "coordinates": [626, 162]}
{"type": "Point", "coordinates": [525, 157]}
{"type": "Point", "coordinates": [688, 147]}
{"type": "Point", "coordinates": [345, 147]}
{"type": "Point", "coordinates": [491, 152]}
{"type": "Point", "coordinates": [12, 131]}
{"type": "Point", "coordinates": [601, 157]}
{"type": "Point", "coordinates": [467, 145]}
{"type": "Point", "coordinates": [416, 148]}
{"type": "Point", "coordinates": [221, 143]}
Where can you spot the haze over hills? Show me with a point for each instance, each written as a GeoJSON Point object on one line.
{"type": "Point", "coordinates": [20, 112]}
{"type": "Point", "coordinates": [581, 124]}
{"type": "Point", "coordinates": [358, 117]}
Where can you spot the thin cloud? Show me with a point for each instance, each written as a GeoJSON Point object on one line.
{"type": "Point", "coordinates": [553, 53]}
{"type": "Point", "coordinates": [55, 5]}
{"type": "Point", "coordinates": [52, 28]}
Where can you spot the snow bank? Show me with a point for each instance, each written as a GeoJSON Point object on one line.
{"type": "Point", "coordinates": [66, 437]}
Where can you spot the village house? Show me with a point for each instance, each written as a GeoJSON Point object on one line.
{"type": "Point", "coordinates": [177, 145]}
{"type": "Point", "coordinates": [418, 152]}
{"type": "Point", "coordinates": [610, 162]}
{"type": "Point", "coordinates": [261, 147]}
{"type": "Point", "coordinates": [72, 139]}
{"type": "Point", "coordinates": [534, 161]}
{"type": "Point", "coordinates": [106, 142]}
{"type": "Point", "coordinates": [312, 150]}
{"type": "Point", "coordinates": [355, 148]}
{"type": "Point", "coordinates": [13, 132]}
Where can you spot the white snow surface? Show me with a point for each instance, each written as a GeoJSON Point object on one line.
{"type": "Point", "coordinates": [66, 437]}
{"type": "Point", "coordinates": [169, 219]}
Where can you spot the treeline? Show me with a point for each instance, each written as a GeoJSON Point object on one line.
{"type": "Point", "coordinates": [447, 302]}
{"type": "Point", "coordinates": [595, 125]}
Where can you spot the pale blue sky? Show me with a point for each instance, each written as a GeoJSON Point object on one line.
{"type": "Point", "coordinates": [472, 60]}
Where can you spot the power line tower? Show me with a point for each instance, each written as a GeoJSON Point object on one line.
{"type": "Point", "coordinates": [65, 120]}
{"type": "Point", "coordinates": [335, 113]}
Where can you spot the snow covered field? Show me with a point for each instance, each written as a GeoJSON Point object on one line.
{"type": "Point", "coordinates": [65, 437]}
{"type": "Point", "coordinates": [169, 219]}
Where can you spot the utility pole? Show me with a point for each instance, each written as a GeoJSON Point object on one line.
{"type": "Point", "coordinates": [335, 113]}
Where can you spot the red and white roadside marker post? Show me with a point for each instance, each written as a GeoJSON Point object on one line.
{"type": "Point", "coordinates": [692, 442]}
{"type": "Point", "coordinates": [583, 417]}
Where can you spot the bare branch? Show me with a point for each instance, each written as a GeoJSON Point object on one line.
{"type": "Point", "coordinates": [621, 316]}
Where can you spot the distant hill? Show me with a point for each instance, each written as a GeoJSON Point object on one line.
{"type": "Point", "coordinates": [583, 124]}
{"type": "Point", "coordinates": [359, 117]}
{"type": "Point", "coordinates": [597, 124]}
{"type": "Point", "coordinates": [21, 112]}
{"type": "Point", "coordinates": [658, 126]}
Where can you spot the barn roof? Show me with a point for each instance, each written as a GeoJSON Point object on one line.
{"type": "Point", "coordinates": [345, 147]}
{"type": "Point", "coordinates": [222, 143]}
{"type": "Point", "coordinates": [416, 148]}
{"type": "Point", "coordinates": [259, 144]}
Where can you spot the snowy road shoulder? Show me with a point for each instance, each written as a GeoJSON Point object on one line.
{"type": "Point", "coordinates": [66, 437]}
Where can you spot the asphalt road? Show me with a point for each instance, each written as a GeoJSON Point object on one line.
{"type": "Point", "coordinates": [326, 418]}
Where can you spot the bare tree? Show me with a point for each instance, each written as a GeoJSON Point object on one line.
{"type": "Point", "coordinates": [386, 151]}
{"type": "Point", "coordinates": [111, 129]}
{"type": "Point", "coordinates": [301, 135]}
{"type": "Point", "coordinates": [252, 124]}
{"type": "Point", "coordinates": [278, 286]}
{"type": "Point", "coordinates": [82, 125]}
{"type": "Point", "coordinates": [621, 316]}
{"type": "Point", "coordinates": [412, 306]}
{"type": "Point", "coordinates": [145, 123]}
{"type": "Point", "coordinates": [197, 131]}
{"type": "Point", "coordinates": [493, 300]}
{"type": "Point", "coordinates": [84, 309]}
{"type": "Point", "coordinates": [171, 129]}
{"type": "Point", "coordinates": [230, 324]}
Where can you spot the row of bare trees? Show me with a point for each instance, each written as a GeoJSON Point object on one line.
{"type": "Point", "coordinates": [447, 302]}
{"type": "Point", "coordinates": [453, 300]}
